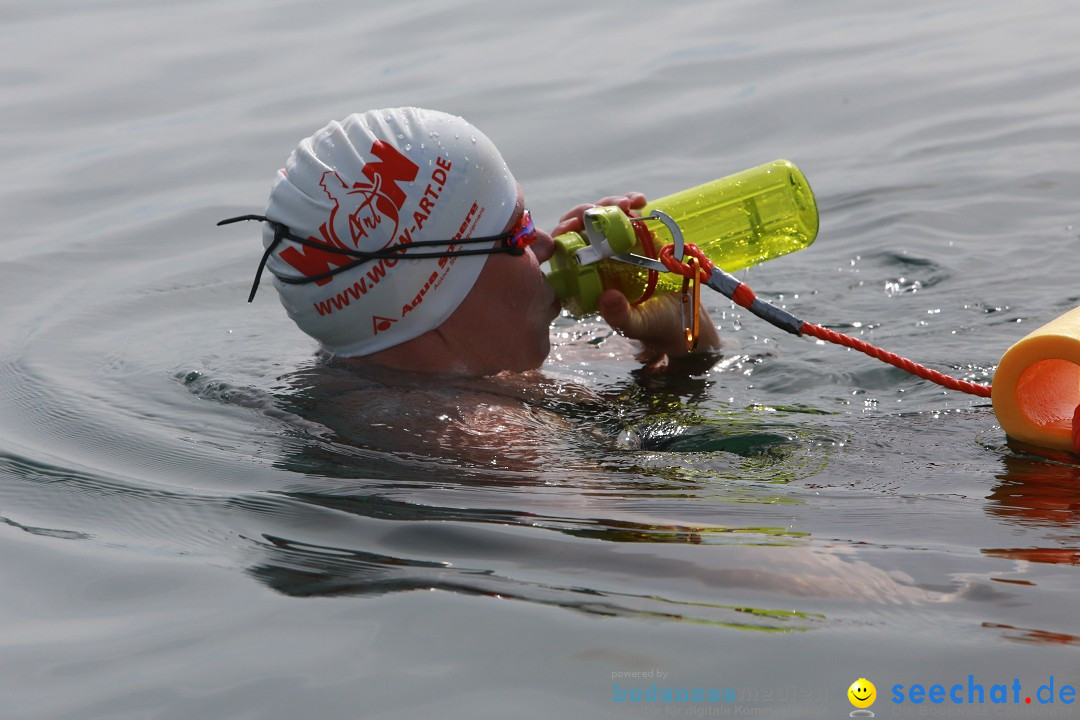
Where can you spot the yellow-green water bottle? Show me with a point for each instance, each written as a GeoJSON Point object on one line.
{"type": "Point", "coordinates": [737, 221]}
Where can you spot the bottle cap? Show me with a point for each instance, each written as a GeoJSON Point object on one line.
{"type": "Point", "coordinates": [574, 273]}
{"type": "Point", "coordinates": [577, 286]}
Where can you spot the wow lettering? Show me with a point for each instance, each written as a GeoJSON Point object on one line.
{"type": "Point", "coordinates": [403, 236]}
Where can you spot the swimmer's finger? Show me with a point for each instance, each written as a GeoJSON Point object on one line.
{"type": "Point", "coordinates": [615, 310]}
{"type": "Point", "coordinates": [571, 221]}
{"type": "Point", "coordinates": [565, 226]}
{"type": "Point", "coordinates": [656, 323]}
{"type": "Point", "coordinates": [576, 212]}
{"type": "Point", "coordinates": [629, 201]}
{"type": "Point", "coordinates": [626, 203]}
{"type": "Point", "coordinates": [629, 321]}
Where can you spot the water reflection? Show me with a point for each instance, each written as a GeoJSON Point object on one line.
{"type": "Point", "coordinates": [304, 570]}
{"type": "Point", "coordinates": [1039, 489]}
{"type": "Point", "coordinates": [642, 498]}
{"type": "Point", "coordinates": [1032, 636]}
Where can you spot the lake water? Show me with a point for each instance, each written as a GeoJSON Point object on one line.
{"type": "Point", "coordinates": [198, 519]}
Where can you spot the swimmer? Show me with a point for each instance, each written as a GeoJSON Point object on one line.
{"type": "Point", "coordinates": [399, 239]}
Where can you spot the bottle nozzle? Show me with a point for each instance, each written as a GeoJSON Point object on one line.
{"type": "Point", "coordinates": [576, 286]}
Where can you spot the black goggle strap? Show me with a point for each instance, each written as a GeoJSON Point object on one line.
{"type": "Point", "coordinates": [282, 232]}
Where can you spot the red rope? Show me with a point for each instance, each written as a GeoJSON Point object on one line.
{"type": "Point", "coordinates": [648, 246]}
{"type": "Point", "coordinates": [745, 297]}
{"type": "Point", "coordinates": [920, 370]}
{"type": "Point", "coordinates": [667, 256]}
{"type": "Point", "coordinates": [895, 360]}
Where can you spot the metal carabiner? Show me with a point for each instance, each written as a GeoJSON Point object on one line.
{"type": "Point", "coordinates": [676, 236]}
{"type": "Point", "coordinates": [691, 304]}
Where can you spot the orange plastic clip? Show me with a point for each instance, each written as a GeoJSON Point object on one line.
{"type": "Point", "coordinates": [691, 302]}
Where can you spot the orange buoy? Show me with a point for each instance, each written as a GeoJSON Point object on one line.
{"type": "Point", "coordinates": [1036, 388]}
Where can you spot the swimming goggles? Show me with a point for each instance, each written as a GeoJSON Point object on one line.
{"type": "Point", "coordinates": [514, 241]}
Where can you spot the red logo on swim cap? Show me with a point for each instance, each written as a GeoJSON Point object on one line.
{"type": "Point", "coordinates": [358, 210]}
{"type": "Point", "coordinates": [380, 323]}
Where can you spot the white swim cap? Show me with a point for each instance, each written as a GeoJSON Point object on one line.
{"type": "Point", "coordinates": [372, 182]}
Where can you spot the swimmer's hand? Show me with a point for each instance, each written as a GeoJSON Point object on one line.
{"type": "Point", "coordinates": [572, 220]}
{"type": "Point", "coordinates": [656, 323]}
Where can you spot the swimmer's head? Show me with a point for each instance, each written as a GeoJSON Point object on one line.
{"type": "Point", "coordinates": [371, 183]}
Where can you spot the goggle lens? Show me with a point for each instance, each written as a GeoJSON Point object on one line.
{"type": "Point", "coordinates": [524, 232]}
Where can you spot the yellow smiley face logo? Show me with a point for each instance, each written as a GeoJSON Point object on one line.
{"type": "Point", "coordinates": [862, 693]}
